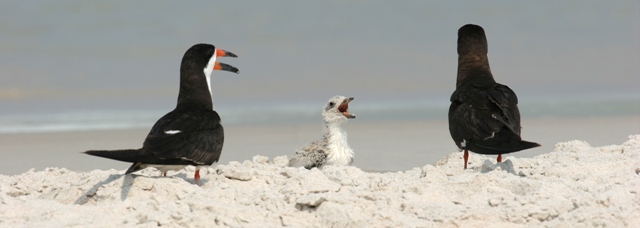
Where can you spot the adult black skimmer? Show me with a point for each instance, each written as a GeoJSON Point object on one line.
{"type": "Point", "coordinates": [191, 134]}
{"type": "Point", "coordinates": [483, 116]}
{"type": "Point", "coordinates": [333, 148]}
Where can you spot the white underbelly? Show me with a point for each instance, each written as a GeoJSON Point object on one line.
{"type": "Point", "coordinates": [165, 168]}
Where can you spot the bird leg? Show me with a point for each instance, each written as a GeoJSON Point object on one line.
{"type": "Point", "coordinates": [466, 158]}
{"type": "Point", "coordinates": [165, 174]}
{"type": "Point", "coordinates": [197, 177]}
{"type": "Point", "coordinates": [499, 157]}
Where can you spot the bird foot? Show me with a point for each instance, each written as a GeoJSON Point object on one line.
{"type": "Point", "coordinates": [197, 177]}
{"type": "Point", "coordinates": [466, 158]}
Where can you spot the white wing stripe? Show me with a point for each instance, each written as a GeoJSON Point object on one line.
{"type": "Point", "coordinates": [172, 132]}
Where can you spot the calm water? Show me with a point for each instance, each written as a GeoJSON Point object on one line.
{"type": "Point", "coordinates": [77, 65]}
{"type": "Point", "coordinates": [304, 113]}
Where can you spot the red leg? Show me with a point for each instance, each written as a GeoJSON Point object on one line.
{"type": "Point", "coordinates": [499, 157]}
{"type": "Point", "coordinates": [165, 174]}
{"type": "Point", "coordinates": [466, 158]}
{"type": "Point", "coordinates": [197, 177]}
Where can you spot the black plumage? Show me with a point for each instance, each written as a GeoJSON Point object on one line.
{"type": "Point", "coordinates": [191, 134]}
{"type": "Point", "coordinates": [483, 116]}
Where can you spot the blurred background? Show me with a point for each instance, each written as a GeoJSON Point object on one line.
{"type": "Point", "coordinates": [104, 65]}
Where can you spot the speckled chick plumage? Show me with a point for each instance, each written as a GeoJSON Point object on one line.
{"type": "Point", "coordinates": [333, 148]}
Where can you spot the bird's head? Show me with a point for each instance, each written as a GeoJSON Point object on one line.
{"type": "Point", "coordinates": [337, 109]}
{"type": "Point", "coordinates": [202, 59]}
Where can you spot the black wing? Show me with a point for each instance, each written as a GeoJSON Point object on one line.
{"type": "Point", "coordinates": [198, 142]}
{"type": "Point", "coordinates": [507, 101]}
{"type": "Point", "coordinates": [485, 115]}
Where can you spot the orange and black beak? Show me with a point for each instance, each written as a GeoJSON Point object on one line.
{"type": "Point", "coordinates": [344, 108]}
{"type": "Point", "coordinates": [223, 53]}
{"type": "Point", "coordinates": [224, 66]}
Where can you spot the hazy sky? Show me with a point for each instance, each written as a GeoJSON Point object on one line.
{"type": "Point", "coordinates": [81, 54]}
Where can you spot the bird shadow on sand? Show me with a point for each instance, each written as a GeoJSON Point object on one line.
{"type": "Point", "coordinates": [127, 181]}
{"type": "Point", "coordinates": [489, 166]}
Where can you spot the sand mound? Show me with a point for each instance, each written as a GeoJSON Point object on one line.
{"type": "Point", "coordinates": [574, 184]}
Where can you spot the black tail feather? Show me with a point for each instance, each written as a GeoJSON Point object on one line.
{"type": "Point", "coordinates": [135, 167]}
{"type": "Point", "coordinates": [503, 149]}
{"type": "Point", "coordinates": [120, 155]}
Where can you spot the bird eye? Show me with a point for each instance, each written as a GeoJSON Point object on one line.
{"type": "Point", "coordinates": [331, 104]}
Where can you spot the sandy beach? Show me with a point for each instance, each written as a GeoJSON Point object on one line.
{"type": "Point", "coordinates": [574, 185]}
{"type": "Point", "coordinates": [379, 146]}
{"type": "Point", "coordinates": [96, 75]}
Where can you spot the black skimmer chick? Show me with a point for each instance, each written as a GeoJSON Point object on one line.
{"type": "Point", "coordinates": [483, 116]}
{"type": "Point", "coordinates": [333, 148]}
{"type": "Point", "coordinates": [191, 134]}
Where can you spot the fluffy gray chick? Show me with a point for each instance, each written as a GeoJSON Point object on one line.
{"type": "Point", "coordinates": [333, 148]}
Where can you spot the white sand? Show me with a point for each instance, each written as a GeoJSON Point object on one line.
{"type": "Point", "coordinates": [390, 145]}
{"type": "Point", "coordinates": [575, 185]}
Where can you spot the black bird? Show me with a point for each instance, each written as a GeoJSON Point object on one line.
{"type": "Point", "coordinates": [191, 134]}
{"type": "Point", "coordinates": [483, 116]}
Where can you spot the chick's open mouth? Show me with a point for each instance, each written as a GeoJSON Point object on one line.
{"type": "Point", "coordinates": [344, 109]}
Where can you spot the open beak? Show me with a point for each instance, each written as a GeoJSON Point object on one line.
{"type": "Point", "coordinates": [225, 67]}
{"type": "Point", "coordinates": [223, 53]}
{"type": "Point", "coordinates": [344, 108]}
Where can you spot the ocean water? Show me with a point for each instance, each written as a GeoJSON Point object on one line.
{"type": "Point", "coordinates": [305, 113]}
{"type": "Point", "coordinates": [77, 65]}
